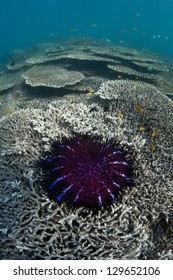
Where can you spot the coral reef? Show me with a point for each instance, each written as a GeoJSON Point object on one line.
{"type": "Point", "coordinates": [71, 54]}
{"type": "Point", "coordinates": [51, 76]}
{"type": "Point", "coordinates": [152, 66]}
{"type": "Point", "coordinates": [95, 58]}
{"type": "Point", "coordinates": [17, 60]}
{"type": "Point", "coordinates": [9, 80]}
{"type": "Point", "coordinates": [93, 61]}
{"type": "Point", "coordinates": [33, 227]}
{"type": "Point", "coordinates": [127, 70]}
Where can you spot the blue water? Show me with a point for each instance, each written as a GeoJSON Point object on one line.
{"type": "Point", "coordinates": [143, 24]}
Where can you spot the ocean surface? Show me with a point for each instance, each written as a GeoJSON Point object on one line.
{"type": "Point", "coordinates": [142, 24]}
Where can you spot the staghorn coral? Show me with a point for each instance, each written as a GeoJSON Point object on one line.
{"type": "Point", "coordinates": [51, 76]}
{"type": "Point", "coordinates": [37, 228]}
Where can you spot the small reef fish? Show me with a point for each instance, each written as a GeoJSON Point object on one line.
{"type": "Point", "coordinates": [139, 108]}
{"type": "Point", "coordinates": [9, 112]}
{"type": "Point", "coordinates": [153, 147]}
{"type": "Point", "coordinates": [156, 36]}
{"type": "Point", "coordinates": [137, 14]}
{"type": "Point", "coordinates": [120, 114]}
{"type": "Point", "coordinates": [73, 30]}
{"type": "Point", "coordinates": [108, 40]}
{"type": "Point", "coordinates": [89, 93]}
{"type": "Point", "coordinates": [142, 128]}
{"type": "Point", "coordinates": [153, 133]}
{"type": "Point", "coordinates": [93, 25]}
{"type": "Point", "coordinates": [120, 77]}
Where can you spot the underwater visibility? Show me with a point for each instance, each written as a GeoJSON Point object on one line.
{"type": "Point", "coordinates": [86, 130]}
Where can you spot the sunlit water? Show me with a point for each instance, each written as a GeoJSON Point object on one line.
{"type": "Point", "coordinates": [142, 24]}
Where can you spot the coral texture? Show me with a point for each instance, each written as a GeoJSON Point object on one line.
{"type": "Point", "coordinates": [35, 227]}
{"type": "Point", "coordinates": [128, 70]}
{"type": "Point", "coordinates": [9, 80]}
{"type": "Point", "coordinates": [51, 76]}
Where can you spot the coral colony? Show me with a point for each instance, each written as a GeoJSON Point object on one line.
{"type": "Point", "coordinates": [81, 86]}
{"type": "Point", "coordinates": [86, 172]}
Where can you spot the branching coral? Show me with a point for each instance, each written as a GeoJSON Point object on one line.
{"type": "Point", "coordinates": [38, 228]}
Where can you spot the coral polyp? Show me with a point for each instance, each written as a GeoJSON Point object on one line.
{"type": "Point", "coordinates": [86, 172]}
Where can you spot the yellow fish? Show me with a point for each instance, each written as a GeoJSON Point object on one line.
{"type": "Point", "coordinates": [120, 77]}
{"type": "Point", "coordinates": [9, 112]}
{"type": "Point", "coordinates": [153, 133]}
{"type": "Point", "coordinates": [139, 108]}
{"type": "Point", "coordinates": [153, 147]}
{"type": "Point", "coordinates": [141, 128]}
{"type": "Point", "coordinates": [90, 93]}
{"type": "Point", "coordinates": [120, 114]}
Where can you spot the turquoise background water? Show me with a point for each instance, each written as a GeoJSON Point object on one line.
{"type": "Point", "coordinates": [141, 24]}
